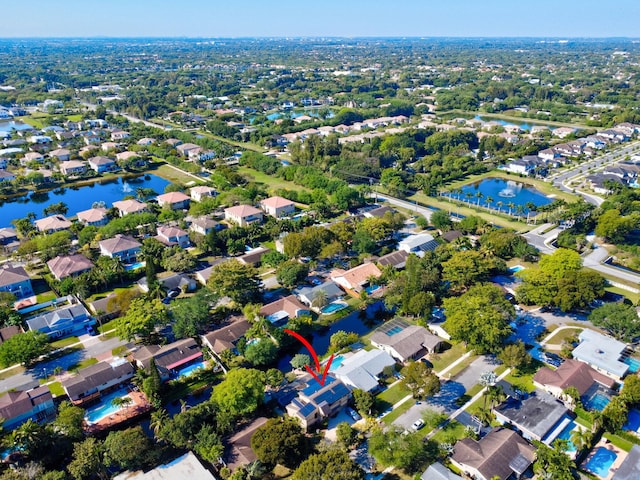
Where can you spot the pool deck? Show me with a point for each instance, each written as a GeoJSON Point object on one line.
{"type": "Point", "coordinates": [139, 406]}
{"type": "Point", "coordinates": [614, 466]}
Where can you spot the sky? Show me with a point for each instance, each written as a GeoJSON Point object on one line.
{"type": "Point", "coordinates": [322, 18]}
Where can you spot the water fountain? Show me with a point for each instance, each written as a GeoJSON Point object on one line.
{"type": "Point", "coordinates": [511, 190]}
{"type": "Point", "coordinates": [126, 188]}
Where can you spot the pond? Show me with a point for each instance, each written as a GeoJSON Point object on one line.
{"type": "Point", "coordinates": [504, 123]}
{"type": "Point", "coordinates": [320, 341]}
{"type": "Point", "coordinates": [78, 198]}
{"type": "Point", "coordinates": [503, 191]}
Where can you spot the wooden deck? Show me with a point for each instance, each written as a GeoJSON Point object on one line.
{"type": "Point", "coordinates": [140, 406]}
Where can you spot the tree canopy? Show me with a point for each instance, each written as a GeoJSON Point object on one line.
{"type": "Point", "coordinates": [333, 464]}
{"type": "Point", "coordinates": [280, 441]}
{"type": "Point", "coordinates": [618, 319]}
{"type": "Point", "coordinates": [236, 280]}
{"type": "Point", "coordinates": [241, 392]}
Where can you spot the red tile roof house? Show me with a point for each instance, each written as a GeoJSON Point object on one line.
{"type": "Point", "coordinates": [171, 236]}
{"type": "Point", "coordinates": [121, 246]}
{"type": "Point", "coordinates": [357, 279]}
{"type": "Point", "coordinates": [502, 454]}
{"type": "Point", "coordinates": [69, 266]}
{"type": "Point", "coordinates": [277, 206]}
{"type": "Point", "coordinates": [174, 200]}
{"type": "Point", "coordinates": [15, 280]}
{"type": "Point", "coordinates": [51, 224]}
{"type": "Point", "coordinates": [18, 407]}
{"type": "Point", "coordinates": [243, 215]}
{"type": "Point", "coordinates": [94, 216]}
{"type": "Point", "coordinates": [125, 207]}
{"type": "Point", "coordinates": [169, 358]}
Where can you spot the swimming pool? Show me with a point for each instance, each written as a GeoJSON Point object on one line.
{"type": "Point", "coordinates": [634, 364]}
{"type": "Point", "coordinates": [516, 268]}
{"type": "Point", "coordinates": [134, 266]}
{"type": "Point", "coordinates": [105, 408]}
{"type": "Point", "coordinates": [633, 421]}
{"type": "Point", "coordinates": [601, 461]}
{"type": "Point", "coordinates": [333, 307]}
{"type": "Point", "coordinates": [191, 369]}
{"type": "Point", "coordinates": [336, 362]}
{"type": "Point", "coordinates": [565, 434]}
{"type": "Point", "coordinates": [371, 288]}
{"type": "Point", "coordinates": [597, 402]}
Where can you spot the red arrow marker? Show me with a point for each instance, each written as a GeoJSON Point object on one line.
{"type": "Point", "coordinates": [319, 375]}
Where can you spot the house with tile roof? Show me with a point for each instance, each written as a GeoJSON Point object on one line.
{"type": "Point", "coordinates": [203, 225]}
{"type": "Point", "coordinates": [93, 381]}
{"type": "Point", "coordinates": [277, 207]}
{"type": "Point", "coordinates": [15, 280]}
{"type": "Point", "coordinates": [61, 322]}
{"type": "Point", "coordinates": [172, 236]}
{"type": "Point", "coordinates": [356, 279]}
{"type": "Point", "coordinates": [62, 154]}
{"type": "Point", "coordinates": [124, 247]}
{"type": "Point", "coordinates": [125, 207]}
{"type": "Point", "coordinates": [502, 454]}
{"type": "Point", "coordinates": [16, 407]}
{"type": "Point", "coordinates": [8, 240]}
{"type": "Point", "coordinates": [102, 164]}
{"type": "Point", "coordinates": [53, 223]}
{"type": "Point", "coordinates": [96, 217]}
{"type": "Point", "coordinates": [201, 192]}
{"type": "Point", "coordinates": [243, 215]}
{"type": "Point", "coordinates": [73, 167]}
{"type": "Point", "coordinates": [174, 200]}
{"type": "Point", "coordinates": [69, 266]}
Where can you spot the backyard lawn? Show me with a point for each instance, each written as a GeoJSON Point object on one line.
{"type": "Point", "coordinates": [446, 358]}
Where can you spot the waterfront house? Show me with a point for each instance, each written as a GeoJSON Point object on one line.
{"type": "Point", "coordinates": [356, 279]}
{"type": "Point", "coordinates": [328, 290]}
{"type": "Point", "coordinates": [72, 167]}
{"type": "Point", "coordinates": [53, 223]}
{"type": "Point", "coordinates": [91, 382]}
{"type": "Point", "coordinates": [6, 176]}
{"type": "Point", "coordinates": [316, 402]}
{"type": "Point", "coordinates": [404, 341]}
{"type": "Point", "coordinates": [15, 280]}
{"type": "Point", "coordinates": [363, 369]}
{"type": "Point", "coordinates": [169, 359]}
{"type": "Point", "coordinates": [69, 266]}
{"type": "Point", "coordinates": [8, 240]}
{"type": "Point", "coordinates": [94, 216]}
{"type": "Point", "coordinates": [125, 207]}
{"type": "Point", "coordinates": [102, 164]}
{"type": "Point", "coordinates": [243, 215]}
{"type": "Point", "coordinates": [124, 247]}
{"type": "Point", "coordinates": [280, 311]}
{"type": "Point", "coordinates": [16, 407]}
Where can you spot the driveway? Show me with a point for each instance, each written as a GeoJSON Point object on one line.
{"type": "Point", "coordinates": [443, 401]}
{"type": "Point", "coordinates": [471, 375]}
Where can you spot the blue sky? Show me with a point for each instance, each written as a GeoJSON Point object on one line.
{"type": "Point", "coordinates": [349, 18]}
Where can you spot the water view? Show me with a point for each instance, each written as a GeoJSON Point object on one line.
{"type": "Point", "coordinates": [8, 126]}
{"type": "Point", "coordinates": [504, 123]}
{"type": "Point", "coordinates": [78, 198]}
{"type": "Point", "coordinates": [498, 194]}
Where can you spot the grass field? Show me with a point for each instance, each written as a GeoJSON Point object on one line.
{"type": "Point", "coordinates": [175, 176]}
{"type": "Point", "coordinates": [64, 342]}
{"type": "Point", "coordinates": [393, 394]}
{"type": "Point", "coordinates": [444, 359]}
{"type": "Point", "coordinates": [563, 334]}
{"type": "Point", "coordinates": [271, 182]}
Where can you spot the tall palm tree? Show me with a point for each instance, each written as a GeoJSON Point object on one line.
{"type": "Point", "coordinates": [499, 204]}
{"type": "Point", "coordinates": [519, 210]}
{"type": "Point", "coordinates": [511, 206]}
{"type": "Point", "coordinates": [488, 201]}
{"type": "Point", "coordinates": [581, 438]}
{"type": "Point", "coordinates": [122, 403]}
{"type": "Point", "coordinates": [158, 419]}
{"type": "Point", "coordinates": [468, 196]}
{"type": "Point", "coordinates": [479, 195]}
{"type": "Point", "coordinates": [320, 299]}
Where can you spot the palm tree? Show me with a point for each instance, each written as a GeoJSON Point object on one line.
{"type": "Point", "coordinates": [581, 438]}
{"type": "Point", "coordinates": [256, 470]}
{"type": "Point", "coordinates": [479, 196]}
{"type": "Point", "coordinates": [499, 204]}
{"type": "Point", "coordinates": [488, 201]}
{"type": "Point", "coordinates": [320, 299]}
{"type": "Point", "coordinates": [468, 196]}
{"type": "Point", "coordinates": [121, 403]}
{"type": "Point", "coordinates": [519, 210]}
{"type": "Point", "coordinates": [158, 419]}
{"type": "Point", "coordinates": [511, 206]}
{"type": "Point", "coordinates": [487, 379]}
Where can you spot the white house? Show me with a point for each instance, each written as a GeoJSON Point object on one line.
{"type": "Point", "coordinates": [277, 206]}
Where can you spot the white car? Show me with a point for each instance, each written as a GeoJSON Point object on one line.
{"type": "Point", "coordinates": [418, 424]}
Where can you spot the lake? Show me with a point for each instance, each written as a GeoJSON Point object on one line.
{"type": "Point", "coordinates": [78, 198]}
{"type": "Point", "coordinates": [505, 191]}
{"type": "Point", "coordinates": [320, 341]}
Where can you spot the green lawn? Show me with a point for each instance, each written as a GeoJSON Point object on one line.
{"type": "Point", "coordinates": [56, 389]}
{"type": "Point", "coordinates": [450, 433]}
{"type": "Point", "coordinates": [271, 182]}
{"type": "Point", "coordinates": [82, 364]}
{"type": "Point", "coordinates": [64, 342]}
{"type": "Point", "coordinates": [393, 394]}
{"type": "Point", "coordinates": [522, 382]}
{"type": "Point", "coordinates": [563, 334]}
{"type": "Point", "coordinates": [444, 359]}
{"type": "Point", "coordinates": [633, 297]}
{"type": "Point", "coordinates": [175, 176]}
{"type": "Point", "coordinates": [461, 366]}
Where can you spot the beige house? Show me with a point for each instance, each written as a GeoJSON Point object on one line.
{"type": "Point", "coordinates": [199, 193]}
{"type": "Point", "coordinates": [356, 279]}
{"type": "Point", "coordinates": [72, 167]}
{"type": "Point", "coordinates": [94, 216]}
{"type": "Point", "coordinates": [174, 200]}
{"type": "Point", "coordinates": [125, 207]}
{"type": "Point", "coordinates": [51, 224]}
{"type": "Point", "coordinates": [277, 206]}
{"type": "Point", "coordinates": [243, 215]}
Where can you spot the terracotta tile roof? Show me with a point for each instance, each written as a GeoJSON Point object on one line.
{"type": "Point", "coordinates": [572, 373]}
{"type": "Point", "coordinates": [62, 267]}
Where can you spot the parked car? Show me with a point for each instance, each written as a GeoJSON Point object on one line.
{"type": "Point", "coordinates": [353, 414]}
{"type": "Point", "coordinates": [418, 424]}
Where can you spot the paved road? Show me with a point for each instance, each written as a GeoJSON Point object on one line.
{"type": "Point", "coordinates": [443, 401]}
{"type": "Point", "coordinates": [94, 348]}
{"type": "Point", "coordinates": [425, 212]}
